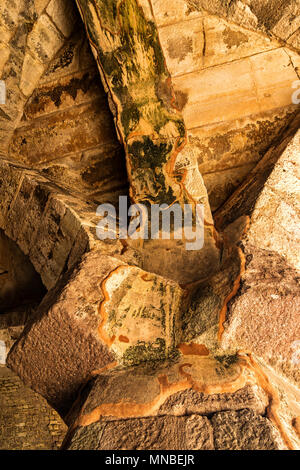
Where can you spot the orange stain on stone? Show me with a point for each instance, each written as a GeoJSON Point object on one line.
{"type": "Point", "coordinates": [123, 339]}
{"type": "Point", "coordinates": [193, 349]}
{"type": "Point", "coordinates": [124, 410]}
{"type": "Point", "coordinates": [108, 340]}
{"type": "Point", "coordinates": [274, 401]}
{"type": "Point", "coordinates": [236, 285]}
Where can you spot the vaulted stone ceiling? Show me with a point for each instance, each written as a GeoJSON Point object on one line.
{"type": "Point", "coordinates": [221, 57]}
{"type": "Point", "coordinates": [207, 86]}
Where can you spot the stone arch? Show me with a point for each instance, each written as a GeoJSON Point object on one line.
{"type": "Point", "coordinates": [32, 33]}
{"type": "Point", "coordinates": [43, 221]}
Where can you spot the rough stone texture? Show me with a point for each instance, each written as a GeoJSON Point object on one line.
{"type": "Point", "coordinates": [163, 409]}
{"type": "Point", "coordinates": [27, 422]}
{"type": "Point", "coordinates": [19, 283]}
{"type": "Point", "coordinates": [244, 430]}
{"type": "Point", "coordinates": [50, 224]}
{"type": "Point", "coordinates": [224, 67]}
{"type": "Point", "coordinates": [275, 220]}
{"type": "Point", "coordinates": [107, 311]}
{"type": "Point", "coordinates": [243, 200]}
{"type": "Point", "coordinates": [31, 40]}
{"type": "Point", "coordinates": [56, 109]}
{"type": "Point", "coordinates": [277, 18]}
{"type": "Point", "coordinates": [67, 130]}
{"type": "Point", "coordinates": [205, 91]}
{"type": "Point", "coordinates": [208, 301]}
{"type": "Point", "coordinates": [161, 164]}
{"type": "Point", "coordinates": [160, 433]}
{"type": "Point", "coordinates": [264, 315]}
{"type": "Point", "coordinates": [194, 383]}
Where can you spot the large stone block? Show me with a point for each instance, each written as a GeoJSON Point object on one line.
{"type": "Point", "coordinates": [160, 433]}
{"type": "Point", "coordinates": [244, 430]}
{"type": "Point", "coordinates": [107, 311]}
{"type": "Point", "coordinates": [160, 407]}
{"type": "Point", "coordinates": [27, 422]}
{"type": "Point", "coordinates": [264, 315]}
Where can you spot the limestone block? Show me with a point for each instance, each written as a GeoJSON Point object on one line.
{"type": "Point", "coordinates": [194, 383]}
{"type": "Point", "coordinates": [19, 282]}
{"type": "Point", "coordinates": [108, 311]}
{"type": "Point", "coordinates": [221, 184]}
{"type": "Point", "coordinates": [9, 13]}
{"type": "Point", "coordinates": [226, 42]}
{"type": "Point", "coordinates": [289, 22]}
{"type": "Point", "coordinates": [44, 40]}
{"type": "Point", "coordinates": [266, 16]}
{"type": "Point", "coordinates": [243, 200]}
{"type": "Point", "coordinates": [183, 44]}
{"type": "Point", "coordinates": [27, 422]}
{"type": "Point", "coordinates": [264, 315]}
{"type": "Point", "coordinates": [161, 433]}
{"type": "Point", "coordinates": [153, 398]}
{"type": "Point", "coordinates": [31, 73]}
{"type": "Point", "coordinates": [71, 90]}
{"type": "Point", "coordinates": [294, 40]}
{"type": "Point", "coordinates": [244, 430]}
{"type": "Point", "coordinates": [226, 84]}
{"type": "Point", "coordinates": [249, 83]}
{"type": "Point", "coordinates": [71, 130]}
{"type": "Point", "coordinates": [275, 219]}
{"type": "Point", "coordinates": [64, 15]}
{"type": "Point", "coordinates": [204, 317]}
{"type": "Point", "coordinates": [4, 55]}
{"type": "Point", "coordinates": [175, 12]}
{"type": "Point", "coordinates": [199, 43]}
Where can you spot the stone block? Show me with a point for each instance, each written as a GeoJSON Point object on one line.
{"type": "Point", "coordinates": [108, 311]}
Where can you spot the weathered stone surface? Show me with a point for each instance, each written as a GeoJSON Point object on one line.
{"type": "Point", "coordinates": [279, 18]}
{"type": "Point", "coordinates": [165, 403]}
{"type": "Point", "coordinates": [44, 40]}
{"type": "Point", "coordinates": [43, 226]}
{"type": "Point", "coordinates": [160, 433]}
{"type": "Point", "coordinates": [63, 14]}
{"type": "Point", "coordinates": [161, 164]}
{"type": "Point", "coordinates": [108, 311]}
{"type": "Point", "coordinates": [192, 45]}
{"type": "Point", "coordinates": [71, 131]}
{"type": "Point", "coordinates": [194, 383]}
{"type": "Point", "coordinates": [31, 41]}
{"type": "Point", "coordinates": [203, 318]}
{"type": "Point", "coordinates": [243, 200]}
{"type": "Point", "coordinates": [264, 315]}
{"type": "Point", "coordinates": [227, 71]}
{"type": "Point", "coordinates": [244, 430]}
{"type": "Point", "coordinates": [275, 220]}
{"type": "Point", "coordinates": [27, 422]}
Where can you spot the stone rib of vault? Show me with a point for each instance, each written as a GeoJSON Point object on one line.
{"type": "Point", "coordinates": [162, 166]}
{"type": "Point", "coordinates": [105, 313]}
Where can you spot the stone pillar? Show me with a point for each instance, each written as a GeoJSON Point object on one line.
{"type": "Point", "coordinates": [161, 165]}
